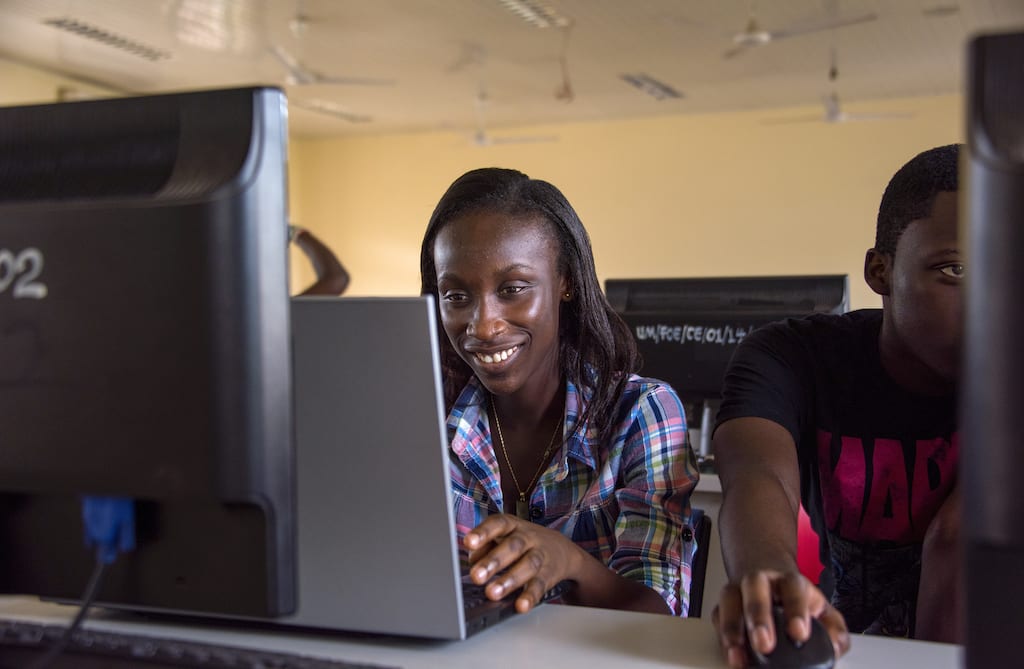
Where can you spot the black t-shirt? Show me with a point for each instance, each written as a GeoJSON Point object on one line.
{"type": "Point", "coordinates": [876, 461]}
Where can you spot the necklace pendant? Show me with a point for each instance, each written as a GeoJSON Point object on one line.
{"type": "Point", "coordinates": [523, 508]}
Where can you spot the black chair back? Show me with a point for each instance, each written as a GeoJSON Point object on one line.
{"type": "Point", "coordinates": [698, 530]}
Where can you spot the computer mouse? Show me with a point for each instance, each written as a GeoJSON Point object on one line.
{"type": "Point", "coordinates": [815, 653]}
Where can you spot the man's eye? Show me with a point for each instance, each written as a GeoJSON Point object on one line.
{"type": "Point", "coordinates": [955, 271]}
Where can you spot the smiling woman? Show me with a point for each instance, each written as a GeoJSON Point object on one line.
{"type": "Point", "coordinates": [592, 459]}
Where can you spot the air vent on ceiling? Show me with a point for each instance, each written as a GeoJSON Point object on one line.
{"type": "Point", "coordinates": [83, 29]}
{"type": "Point", "coordinates": [658, 90]}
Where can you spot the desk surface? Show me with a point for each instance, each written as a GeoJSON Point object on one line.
{"type": "Point", "coordinates": [709, 482]}
{"type": "Point", "coordinates": [549, 636]}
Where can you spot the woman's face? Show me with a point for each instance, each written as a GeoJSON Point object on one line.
{"type": "Point", "coordinates": [499, 291]}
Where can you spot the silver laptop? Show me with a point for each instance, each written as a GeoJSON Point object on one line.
{"type": "Point", "coordinates": [376, 537]}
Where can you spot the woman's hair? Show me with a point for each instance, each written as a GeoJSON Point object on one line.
{"type": "Point", "coordinates": [596, 350]}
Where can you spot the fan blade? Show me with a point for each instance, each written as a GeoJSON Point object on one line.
{"type": "Point", "coordinates": [836, 117]}
{"type": "Point", "coordinates": [522, 139]}
{"type": "Point", "coordinates": [835, 114]}
{"type": "Point", "coordinates": [485, 139]}
{"type": "Point", "coordinates": [350, 81]}
{"type": "Point", "coordinates": [290, 63]}
{"type": "Point", "coordinates": [735, 51]}
{"type": "Point", "coordinates": [480, 137]}
{"type": "Point", "coordinates": [816, 118]}
{"type": "Point", "coordinates": [470, 55]}
{"type": "Point", "coordinates": [331, 109]}
{"type": "Point", "coordinates": [300, 75]}
{"type": "Point", "coordinates": [832, 108]}
{"type": "Point", "coordinates": [749, 38]}
{"type": "Point", "coordinates": [818, 26]}
{"type": "Point", "coordinates": [844, 117]}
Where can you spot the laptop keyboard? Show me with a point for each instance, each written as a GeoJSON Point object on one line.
{"type": "Point", "coordinates": [25, 644]}
{"type": "Point", "coordinates": [473, 595]}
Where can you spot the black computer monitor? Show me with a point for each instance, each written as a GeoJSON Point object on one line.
{"type": "Point", "coordinates": [687, 328]}
{"type": "Point", "coordinates": [992, 394]}
{"type": "Point", "coordinates": [145, 348]}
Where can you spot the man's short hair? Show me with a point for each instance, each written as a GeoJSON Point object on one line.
{"type": "Point", "coordinates": [911, 192]}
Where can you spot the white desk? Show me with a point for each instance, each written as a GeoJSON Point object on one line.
{"type": "Point", "coordinates": [550, 636]}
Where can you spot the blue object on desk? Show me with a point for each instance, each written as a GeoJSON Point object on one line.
{"type": "Point", "coordinates": [109, 525]}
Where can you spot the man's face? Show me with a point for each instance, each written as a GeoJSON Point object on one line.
{"type": "Point", "coordinates": [924, 305]}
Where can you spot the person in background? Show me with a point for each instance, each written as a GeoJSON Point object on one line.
{"type": "Point", "coordinates": [331, 276]}
{"type": "Point", "coordinates": [853, 415]}
{"type": "Point", "coordinates": [565, 465]}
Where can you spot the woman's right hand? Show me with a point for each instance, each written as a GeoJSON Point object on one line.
{"type": "Point", "coordinates": [745, 609]}
{"type": "Point", "coordinates": [507, 553]}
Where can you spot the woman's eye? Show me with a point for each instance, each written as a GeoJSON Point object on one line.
{"type": "Point", "coordinates": [512, 290]}
{"type": "Point", "coordinates": [954, 271]}
{"type": "Point", "coordinates": [452, 296]}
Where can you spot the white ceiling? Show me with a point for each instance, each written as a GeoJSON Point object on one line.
{"type": "Point", "coordinates": [439, 54]}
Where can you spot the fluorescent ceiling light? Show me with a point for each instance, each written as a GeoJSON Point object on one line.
{"type": "Point", "coordinates": [89, 31]}
{"type": "Point", "coordinates": [537, 13]}
{"type": "Point", "coordinates": [658, 90]}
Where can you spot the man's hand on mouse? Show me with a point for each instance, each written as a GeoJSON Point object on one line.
{"type": "Point", "coordinates": [746, 608]}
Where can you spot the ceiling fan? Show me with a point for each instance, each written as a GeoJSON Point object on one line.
{"type": "Point", "coordinates": [329, 108]}
{"type": "Point", "coordinates": [300, 21]}
{"type": "Point", "coordinates": [481, 136]}
{"type": "Point", "coordinates": [832, 111]}
{"type": "Point", "coordinates": [473, 54]}
{"type": "Point", "coordinates": [753, 35]}
{"type": "Point", "coordinates": [476, 55]}
{"type": "Point", "coordinates": [299, 74]}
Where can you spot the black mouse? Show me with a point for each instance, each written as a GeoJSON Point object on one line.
{"type": "Point", "coordinates": [815, 653]}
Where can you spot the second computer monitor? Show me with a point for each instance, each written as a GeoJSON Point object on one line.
{"type": "Point", "coordinates": [687, 328]}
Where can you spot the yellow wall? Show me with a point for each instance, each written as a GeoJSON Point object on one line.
{"type": "Point", "coordinates": [21, 85]}
{"type": "Point", "coordinates": [709, 195]}
{"type": "Point", "coordinates": [701, 195]}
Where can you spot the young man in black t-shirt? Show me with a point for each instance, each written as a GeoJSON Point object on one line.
{"type": "Point", "coordinates": [853, 415]}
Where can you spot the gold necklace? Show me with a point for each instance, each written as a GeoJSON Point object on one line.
{"type": "Point", "coordinates": [522, 506]}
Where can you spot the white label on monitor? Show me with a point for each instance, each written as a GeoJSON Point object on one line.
{"type": "Point", "coordinates": [20, 274]}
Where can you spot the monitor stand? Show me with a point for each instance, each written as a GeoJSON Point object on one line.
{"type": "Point", "coordinates": [707, 427]}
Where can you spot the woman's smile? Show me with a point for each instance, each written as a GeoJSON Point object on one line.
{"type": "Point", "coordinates": [496, 358]}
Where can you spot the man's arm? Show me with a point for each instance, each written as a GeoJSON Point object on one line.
{"type": "Point", "coordinates": [940, 597]}
{"type": "Point", "coordinates": [331, 276]}
{"type": "Point", "coordinates": [760, 475]}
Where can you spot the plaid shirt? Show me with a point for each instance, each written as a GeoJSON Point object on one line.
{"type": "Point", "coordinates": [623, 501]}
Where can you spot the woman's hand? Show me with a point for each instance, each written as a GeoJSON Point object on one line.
{"type": "Point", "coordinates": [506, 553]}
